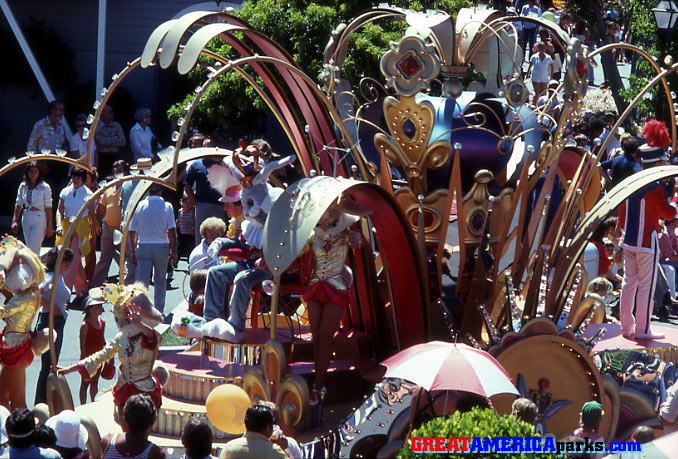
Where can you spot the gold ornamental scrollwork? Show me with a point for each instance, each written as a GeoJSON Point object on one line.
{"type": "Point", "coordinates": [411, 126]}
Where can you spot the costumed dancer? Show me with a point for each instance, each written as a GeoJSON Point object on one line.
{"type": "Point", "coordinates": [21, 273]}
{"type": "Point", "coordinates": [639, 218]}
{"type": "Point", "coordinates": [327, 291]}
{"type": "Point", "coordinates": [136, 345]}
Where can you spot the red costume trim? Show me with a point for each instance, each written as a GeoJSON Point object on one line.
{"type": "Point", "coordinates": [323, 292]}
{"type": "Point", "coordinates": [150, 343]}
{"type": "Point", "coordinates": [123, 393]}
{"type": "Point", "coordinates": [12, 357]}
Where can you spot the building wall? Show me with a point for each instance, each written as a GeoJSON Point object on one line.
{"type": "Point", "coordinates": [129, 24]}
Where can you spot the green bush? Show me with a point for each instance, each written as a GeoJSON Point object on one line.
{"type": "Point", "coordinates": [475, 423]}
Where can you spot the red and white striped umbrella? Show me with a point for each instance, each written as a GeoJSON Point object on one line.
{"type": "Point", "coordinates": [438, 365]}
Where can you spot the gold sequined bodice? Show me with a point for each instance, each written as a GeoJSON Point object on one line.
{"type": "Point", "coordinates": [18, 314]}
{"type": "Point", "coordinates": [330, 258]}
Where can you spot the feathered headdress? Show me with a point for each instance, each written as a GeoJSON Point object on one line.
{"type": "Point", "coordinates": [656, 133]}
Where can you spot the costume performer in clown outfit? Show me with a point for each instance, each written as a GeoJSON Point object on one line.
{"type": "Point", "coordinates": [21, 273]}
{"type": "Point", "coordinates": [136, 345]}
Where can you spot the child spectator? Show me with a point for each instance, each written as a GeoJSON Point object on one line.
{"type": "Point", "coordinates": [91, 340]}
{"type": "Point", "coordinates": [197, 284]}
{"type": "Point", "coordinates": [186, 225]}
{"type": "Point", "coordinates": [591, 415]}
{"type": "Point", "coordinates": [525, 410]}
{"type": "Point", "coordinates": [197, 439]}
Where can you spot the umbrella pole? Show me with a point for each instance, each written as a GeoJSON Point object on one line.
{"type": "Point", "coordinates": [274, 307]}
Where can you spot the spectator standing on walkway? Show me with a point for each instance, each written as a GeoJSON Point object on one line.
{"type": "Point", "coordinates": [110, 209]}
{"type": "Point", "coordinates": [204, 198]}
{"type": "Point", "coordinates": [63, 295]}
{"type": "Point", "coordinates": [529, 28]}
{"type": "Point", "coordinates": [541, 69]}
{"type": "Point", "coordinates": [109, 138]}
{"type": "Point", "coordinates": [34, 206]}
{"type": "Point", "coordinates": [71, 199]}
{"type": "Point", "coordinates": [141, 136]}
{"type": "Point", "coordinates": [186, 227]}
{"type": "Point", "coordinates": [79, 142]}
{"type": "Point", "coordinates": [154, 242]}
{"type": "Point", "coordinates": [49, 133]}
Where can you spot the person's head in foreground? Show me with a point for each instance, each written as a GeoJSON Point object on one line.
{"type": "Point", "coordinates": [197, 439]}
{"type": "Point", "coordinates": [591, 414]}
{"type": "Point", "coordinates": [139, 414]}
{"type": "Point", "coordinates": [20, 426]}
{"type": "Point", "coordinates": [643, 434]}
{"type": "Point", "coordinates": [525, 410]}
{"type": "Point", "coordinates": [259, 419]}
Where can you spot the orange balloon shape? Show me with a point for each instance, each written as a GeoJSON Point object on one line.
{"type": "Point", "coordinates": [226, 406]}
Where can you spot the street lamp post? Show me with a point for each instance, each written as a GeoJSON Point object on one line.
{"type": "Point", "coordinates": [665, 14]}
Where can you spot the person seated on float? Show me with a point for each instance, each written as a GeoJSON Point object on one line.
{"type": "Point", "coordinates": [221, 277]}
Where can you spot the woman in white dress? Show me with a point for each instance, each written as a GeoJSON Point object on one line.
{"type": "Point", "coordinates": [71, 199]}
{"type": "Point", "coordinates": [34, 206]}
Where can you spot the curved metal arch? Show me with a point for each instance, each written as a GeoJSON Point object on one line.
{"type": "Point", "coordinates": [336, 48]}
{"type": "Point", "coordinates": [597, 215]}
{"type": "Point", "coordinates": [330, 109]}
{"type": "Point", "coordinates": [193, 48]}
{"type": "Point", "coordinates": [562, 39]}
{"type": "Point", "coordinates": [306, 100]}
{"type": "Point", "coordinates": [67, 242]}
{"type": "Point", "coordinates": [27, 159]}
{"type": "Point", "coordinates": [106, 94]}
{"type": "Point", "coordinates": [653, 63]}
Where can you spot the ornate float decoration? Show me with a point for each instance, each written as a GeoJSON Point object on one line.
{"type": "Point", "coordinates": [419, 141]}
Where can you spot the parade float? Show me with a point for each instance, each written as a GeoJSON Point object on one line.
{"type": "Point", "coordinates": [412, 146]}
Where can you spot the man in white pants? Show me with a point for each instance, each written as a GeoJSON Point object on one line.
{"type": "Point", "coordinates": [639, 217]}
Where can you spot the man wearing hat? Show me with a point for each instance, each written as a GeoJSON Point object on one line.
{"type": "Point", "coordinates": [639, 218]}
{"type": "Point", "coordinates": [591, 415]}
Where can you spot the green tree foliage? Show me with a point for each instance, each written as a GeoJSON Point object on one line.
{"type": "Point", "coordinates": [478, 422]}
{"type": "Point", "coordinates": [303, 30]}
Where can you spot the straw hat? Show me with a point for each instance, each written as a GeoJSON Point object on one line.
{"type": "Point", "coordinates": [143, 164]}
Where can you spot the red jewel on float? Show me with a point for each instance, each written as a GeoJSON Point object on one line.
{"type": "Point", "coordinates": [581, 68]}
{"type": "Point", "coordinates": [409, 65]}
